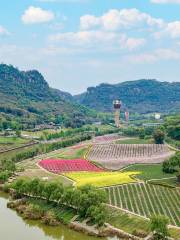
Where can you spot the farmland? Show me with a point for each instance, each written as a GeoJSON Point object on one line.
{"type": "Point", "coordinates": [147, 200]}
{"type": "Point", "coordinates": [133, 224]}
{"type": "Point", "coordinates": [73, 152]}
{"type": "Point", "coordinates": [116, 156]}
{"type": "Point", "coordinates": [106, 138]}
{"type": "Point", "coordinates": [101, 179]}
{"type": "Point", "coordinates": [7, 143]}
{"type": "Point", "coordinates": [61, 166]}
{"type": "Point", "coordinates": [149, 171]}
{"type": "Point", "coordinates": [134, 141]}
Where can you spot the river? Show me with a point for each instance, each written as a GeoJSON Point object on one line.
{"type": "Point", "coordinates": [13, 227]}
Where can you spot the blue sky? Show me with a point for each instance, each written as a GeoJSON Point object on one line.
{"type": "Point", "coordinates": [80, 43]}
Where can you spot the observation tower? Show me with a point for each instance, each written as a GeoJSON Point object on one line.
{"type": "Point", "coordinates": [126, 117]}
{"type": "Point", "coordinates": [117, 106]}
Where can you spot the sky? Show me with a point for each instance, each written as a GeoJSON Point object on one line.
{"type": "Point", "coordinates": [76, 44]}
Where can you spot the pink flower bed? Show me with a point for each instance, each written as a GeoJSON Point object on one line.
{"type": "Point", "coordinates": [75, 165]}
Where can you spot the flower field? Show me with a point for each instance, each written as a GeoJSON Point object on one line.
{"type": "Point", "coordinates": [116, 156]}
{"type": "Point", "coordinates": [106, 138]}
{"type": "Point", "coordinates": [101, 179]}
{"type": "Point", "coordinates": [147, 199]}
{"type": "Point", "coordinates": [65, 165]}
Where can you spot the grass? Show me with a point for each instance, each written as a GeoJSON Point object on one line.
{"type": "Point", "coordinates": [63, 214]}
{"type": "Point", "coordinates": [11, 142]}
{"type": "Point", "coordinates": [131, 223]}
{"type": "Point", "coordinates": [101, 179]}
{"type": "Point", "coordinates": [12, 153]}
{"type": "Point", "coordinates": [72, 153]}
{"type": "Point", "coordinates": [127, 222]}
{"type": "Point", "coordinates": [41, 174]}
{"type": "Point", "coordinates": [134, 141]}
{"type": "Point", "coordinates": [169, 182]}
{"type": "Point", "coordinates": [147, 200]}
{"type": "Point", "coordinates": [148, 171]}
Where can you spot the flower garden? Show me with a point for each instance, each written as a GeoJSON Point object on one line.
{"type": "Point", "coordinates": [64, 165]}
{"type": "Point", "coordinates": [102, 179]}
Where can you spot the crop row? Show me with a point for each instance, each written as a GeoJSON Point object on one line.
{"type": "Point", "coordinates": [115, 156]}
{"type": "Point", "coordinates": [147, 200]}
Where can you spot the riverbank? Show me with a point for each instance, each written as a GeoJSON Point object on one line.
{"type": "Point", "coordinates": [14, 227]}
{"type": "Point", "coordinates": [51, 215]}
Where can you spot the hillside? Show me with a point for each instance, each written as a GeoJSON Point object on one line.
{"type": "Point", "coordinates": [27, 99]}
{"type": "Point", "coordinates": [142, 96]}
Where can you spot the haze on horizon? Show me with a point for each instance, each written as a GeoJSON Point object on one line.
{"type": "Point", "coordinates": [80, 43]}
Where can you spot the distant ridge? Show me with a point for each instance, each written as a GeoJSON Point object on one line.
{"type": "Point", "coordinates": [26, 98]}
{"type": "Point", "coordinates": [142, 96]}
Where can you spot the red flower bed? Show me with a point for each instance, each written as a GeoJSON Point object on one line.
{"type": "Point", "coordinates": [75, 165]}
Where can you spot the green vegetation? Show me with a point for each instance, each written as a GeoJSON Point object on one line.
{"type": "Point", "coordinates": [7, 169]}
{"type": "Point", "coordinates": [87, 201]}
{"type": "Point", "coordinates": [62, 213]}
{"type": "Point", "coordinates": [158, 136]}
{"type": "Point", "coordinates": [173, 164]}
{"type": "Point", "coordinates": [169, 182]}
{"type": "Point", "coordinates": [141, 96]}
{"type": "Point", "coordinates": [159, 227]}
{"type": "Point", "coordinates": [128, 222]}
{"type": "Point", "coordinates": [22, 105]}
{"type": "Point", "coordinates": [172, 124]}
{"type": "Point", "coordinates": [72, 153]}
{"type": "Point", "coordinates": [47, 147]}
{"type": "Point", "coordinates": [147, 200]}
{"type": "Point", "coordinates": [11, 142]}
{"type": "Point", "coordinates": [134, 141]}
{"type": "Point", "coordinates": [149, 171]}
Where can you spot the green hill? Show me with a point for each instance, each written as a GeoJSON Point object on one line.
{"type": "Point", "coordinates": [26, 99]}
{"type": "Point", "coordinates": [142, 96]}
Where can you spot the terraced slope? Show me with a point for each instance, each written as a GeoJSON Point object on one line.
{"type": "Point", "coordinates": [146, 200]}
{"type": "Point", "coordinates": [116, 156]}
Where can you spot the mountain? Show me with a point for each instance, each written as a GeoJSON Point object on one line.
{"type": "Point", "coordinates": [27, 99]}
{"type": "Point", "coordinates": [142, 96]}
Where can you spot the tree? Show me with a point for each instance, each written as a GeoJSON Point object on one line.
{"type": "Point", "coordinates": [141, 133]}
{"type": "Point", "coordinates": [158, 136]}
{"type": "Point", "coordinates": [159, 227]}
{"type": "Point", "coordinates": [8, 165]}
{"type": "Point", "coordinates": [178, 175]}
{"type": "Point", "coordinates": [173, 164]}
{"type": "Point", "coordinates": [18, 133]}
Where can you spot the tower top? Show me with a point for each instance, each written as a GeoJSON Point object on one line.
{"type": "Point", "coordinates": [117, 104]}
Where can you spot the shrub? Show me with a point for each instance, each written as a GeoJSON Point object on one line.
{"type": "Point", "coordinates": [159, 227]}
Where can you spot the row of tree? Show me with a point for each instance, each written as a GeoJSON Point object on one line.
{"type": "Point", "coordinates": [7, 169]}
{"type": "Point", "coordinates": [88, 201]}
{"type": "Point", "coordinates": [49, 147]}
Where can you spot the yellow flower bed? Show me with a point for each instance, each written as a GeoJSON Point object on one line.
{"type": "Point", "coordinates": [102, 179]}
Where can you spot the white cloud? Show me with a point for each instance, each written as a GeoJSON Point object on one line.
{"type": "Point", "coordinates": [37, 15]}
{"type": "Point", "coordinates": [172, 30]}
{"type": "Point", "coordinates": [3, 31]}
{"type": "Point", "coordinates": [120, 19]}
{"type": "Point", "coordinates": [156, 55]}
{"type": "Point", "coordinates": [83, 37]}
{"type": "Point", "coordinates": [97, 40]}
{"type": "Point", "coordinates": [133, 43]}
{"type": "Point", "coordinates": [165, 1]}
